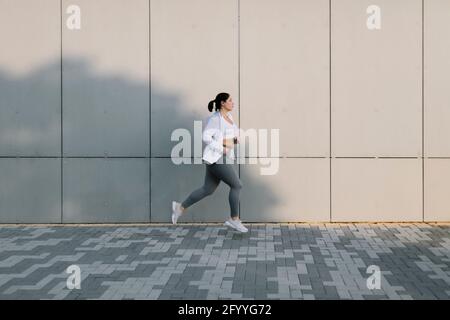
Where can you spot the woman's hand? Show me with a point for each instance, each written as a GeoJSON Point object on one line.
{"type": "Point", "coordinates": [229, 143]}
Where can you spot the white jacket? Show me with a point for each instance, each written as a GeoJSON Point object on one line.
{"type": "Point", "coordinates": [213, 135]}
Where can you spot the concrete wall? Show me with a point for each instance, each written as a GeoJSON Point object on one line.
{"type": "Point", "coordinates": [86, 115]}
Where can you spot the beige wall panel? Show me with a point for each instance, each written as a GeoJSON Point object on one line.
{"type": "Point", "coordinates": [284, 73]}
{"type": "Point", "coordinates": [376, 190]}
{"type": "Point", "coordinates": [437, 187]}
{"type": "Point", "coordinates": [376, 78]}
{"type": "Point", "coordinates": [298, 191]}
{"type": "Point", "coordinates": [436, 78]}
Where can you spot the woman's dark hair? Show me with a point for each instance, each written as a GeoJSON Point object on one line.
{"type": "Point", "coordinates": [223, 96]}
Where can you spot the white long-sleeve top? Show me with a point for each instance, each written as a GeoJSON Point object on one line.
{"type": "Point", "coordinates": [217, 129]}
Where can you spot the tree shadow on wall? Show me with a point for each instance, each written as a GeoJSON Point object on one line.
{"type": "Point", "coordinates": [109, 154]}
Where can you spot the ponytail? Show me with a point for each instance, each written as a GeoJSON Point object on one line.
{"type": "Point", "coordinates": [210, 105]}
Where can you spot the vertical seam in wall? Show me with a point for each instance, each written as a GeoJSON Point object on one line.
{"type": "Point", "coordinates": [423, 115]}
{"type": "Point", "coordinates": [239, 85]}
{"type": "Point", "coordinates": [329, 36]}
{"type": "Point", "coordinates": [61, 110]}
{"type": "Point", "coordinates": [149, 116]}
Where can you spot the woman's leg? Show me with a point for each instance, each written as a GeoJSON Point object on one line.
{"type": "Point", "coordinates": [209, 186]}
{"type": "Point", "coordinates": [227, 173]}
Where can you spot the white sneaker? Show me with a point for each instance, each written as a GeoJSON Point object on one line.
{"type": "Point", "coordinates": [236, 224]}
{"type": "Point", "coordinates": [176, 211]}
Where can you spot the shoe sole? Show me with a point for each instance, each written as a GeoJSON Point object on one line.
{"type": "Point", "coordinates": [231, 226]}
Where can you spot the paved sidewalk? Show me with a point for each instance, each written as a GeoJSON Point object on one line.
{"type": "Point", "coordinates": [271, 261]}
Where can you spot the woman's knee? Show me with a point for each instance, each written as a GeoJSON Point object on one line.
{"type": "Point", "coordinates": [237, 184]}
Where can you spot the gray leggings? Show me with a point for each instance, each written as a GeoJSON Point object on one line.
{"type": "Point", "coordinates": [214, 174]}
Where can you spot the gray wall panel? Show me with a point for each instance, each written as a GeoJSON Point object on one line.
{"type": "Point", "coordinates": [171, 182]}
{"type": "Point", "coordinates": [30, 190]}
{"type": "Point", "coordinates": [30, 78]}
{"type": "Point", "coordinates": [106, 79]}
{"type": "Point", "coordinates": [106, 190]}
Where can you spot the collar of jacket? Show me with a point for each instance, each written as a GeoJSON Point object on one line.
{"type": "Point", "coordinates": [228, 114]}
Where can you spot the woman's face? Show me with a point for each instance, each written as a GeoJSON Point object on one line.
{"type": "Point", "coordinates": [228, 105]}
